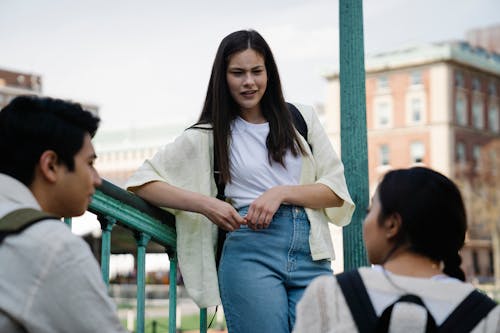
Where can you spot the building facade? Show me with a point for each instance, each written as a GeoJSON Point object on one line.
{"type": "Point", "coordinates": [15, 83]}
{"type": "Point", "coordinates": [438, 105]}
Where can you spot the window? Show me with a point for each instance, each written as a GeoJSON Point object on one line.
{"type": "Point", "coordinates": [416, 78]}
{"type": "Point", "coordinates": [416, 110]}
{"type": "Point", "coordinates": [493, 118]}
{"type": "Point", "coordinates": [477, 113]}
{"type": "Point", "coordinates": [493, 162]}
{"type": "Point", "coordinates": [476, 84]}
{"type": "Point", "coordinates": [382, 82]}
{"type": "Point", "coordinates": [475, 262]}
{"type": "Point", "coordinates": [492, 89]}
{"type": "Point", "coordinates": [382, 114]}
{"type": "Point", "coordinates": [417, 152]}
{"type": "Point", "coordinates": [459, 80]}
{"type": "Point", "coordinates": [460, 110]}
{"type": "Point", "coordinates": [476, 155]}
{"type": "Point", "coordinates": [384, 155]}
{"type": "Point", "coordinates": [461, 158]}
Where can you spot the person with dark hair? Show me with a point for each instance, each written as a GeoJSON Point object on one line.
{"type": "Point", "coordinates": [413, 233]}
{"type": "Point", "coordinates": [49, 279]}
{"type": "Point", "coordinates": [281, 190]}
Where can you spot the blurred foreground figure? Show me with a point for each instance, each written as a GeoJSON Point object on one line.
{"type": "Point", "coordinates": [49, 279]}
{"type": "Point", "coordinates": [413, 233]}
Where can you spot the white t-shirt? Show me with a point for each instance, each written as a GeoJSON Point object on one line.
{"type": "Point", "coordinates": [251, 172]}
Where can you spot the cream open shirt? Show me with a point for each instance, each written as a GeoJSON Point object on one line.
{"type": "Point", "coordinates": [188, 163]}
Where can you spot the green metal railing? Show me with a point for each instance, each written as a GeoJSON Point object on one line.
{"type": "Point", "coordinates": [115, 206]}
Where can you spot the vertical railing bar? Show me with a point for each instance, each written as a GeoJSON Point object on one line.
{"type": "Point", "coordinates": [142, 240]}
{"type": "Point", "coordinates": [107, 224]}
{"type": "Point", "coordinates": [172, 293]}
{"type": "Point", "coordinates": [68, 221]}
{"type": "Point", "coordinates": [354, 149]}
{"type": "Point", "coordinates": [203, 320]}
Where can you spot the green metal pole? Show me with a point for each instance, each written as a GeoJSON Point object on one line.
{"type": "Point", "coordinates": [172, 294]}
{"type": "Point", "coordinates": [203, 320]}
{"type": "Point", "coordinates": [142, 240]}
{"type": "Point", "coordinates": [67, 220]}
{"type": "Point", "coordinates": [107, 224]}
{"type": "Point", "coordinates": [353, 125]}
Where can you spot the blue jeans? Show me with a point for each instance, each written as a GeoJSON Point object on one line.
{"type": "Point", "coordinates": [263, 274]}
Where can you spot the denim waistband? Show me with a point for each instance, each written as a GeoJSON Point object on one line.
{"type": "Point", "coordinates": [283, 211]}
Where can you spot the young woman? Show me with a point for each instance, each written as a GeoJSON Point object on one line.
{"type": "Point", "coordinates": [280, 194]}
{"type": "Point", "coordinates": [413, 233]}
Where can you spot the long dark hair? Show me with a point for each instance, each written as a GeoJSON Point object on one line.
{"type": "Point", "coordinates": [432, 212]}
{"type": "Point", "coordinates": [220, 108]}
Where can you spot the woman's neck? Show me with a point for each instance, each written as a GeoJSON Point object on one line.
{"type": "Point", "coordinates": [412, 264]}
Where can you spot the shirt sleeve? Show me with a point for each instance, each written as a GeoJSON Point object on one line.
{"type": "Point", "coordinates": [71, 295]}
{"type": "Point", "coordinates": [181, 163]}
{"type": "Point", "coordinates": [329, 168]}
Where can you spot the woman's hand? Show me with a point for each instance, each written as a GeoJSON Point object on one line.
{"type": "Point", "coordinates": [222, 214]}
{"type": "Point", "coordinates": [261, 211]}
{"type": "Point", "coordinates": [165, 195]}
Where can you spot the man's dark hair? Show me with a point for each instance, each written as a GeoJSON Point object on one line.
{"type": "Point", "coordinates": [30, 125]}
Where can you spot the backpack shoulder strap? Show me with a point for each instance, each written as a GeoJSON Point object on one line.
{"type": "Point", "coordinates": [298, 120]}
{"type": "Point", "coordinates": [20, 219]}
{"type": "Point", "coordinates": [468, 313]}
{"type": "Point", "coordinates": [357, 299]}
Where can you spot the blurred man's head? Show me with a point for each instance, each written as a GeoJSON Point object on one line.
{"type": "Point", "coordinates": [46, 144]}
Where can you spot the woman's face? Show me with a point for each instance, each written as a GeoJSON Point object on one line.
{"type": "Point", "coordinates": [374, 234]}
{"type": "Point", "coordinates": [247, 79]}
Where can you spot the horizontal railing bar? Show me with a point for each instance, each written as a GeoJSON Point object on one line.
{"type": "Point", "coordinates": [134, 213]}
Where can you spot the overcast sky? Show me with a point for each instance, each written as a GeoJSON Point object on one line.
{"type": "Point", "coordinates": [148, 62]}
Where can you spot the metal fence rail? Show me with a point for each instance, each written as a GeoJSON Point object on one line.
{"type": "Point", "coordinates": [115, 206]}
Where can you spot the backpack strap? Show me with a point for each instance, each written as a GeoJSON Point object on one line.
{"type": "Point", "coordinates": [385, 319]}
{"type": "Point", "coordinates": [357, 299]}
{"type": "Point", "coordinates": [298, 121]}
{"type": "Point", "coordinates": [17, 221]}
{"type": "Point", "coordinates": [468, 313]}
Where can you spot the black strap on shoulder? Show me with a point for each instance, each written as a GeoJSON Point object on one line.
{"type": "Point", "coordinates": [468, 313]}
{"type": "Point", "coordinates": [20, 219]}
{"type": "Point", "coordinates": [357, 299]}
{"type": "Point", "coordinates": [298, 120]}
{"type": "Point", "coordinates": [385, 319]}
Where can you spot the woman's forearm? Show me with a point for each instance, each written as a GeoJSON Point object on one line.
{"type": "Point", "coordinates": [310, 196]}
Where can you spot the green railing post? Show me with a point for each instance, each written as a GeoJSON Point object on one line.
{"type": "Point", "coordinates": [107, 224]}
{"type": "Point", "coordinates": [353, 125]}
{"type": "Point", "coordinates": [203, 320]}
{"type": "Point", "coordinates": [172, 293]}
{"type": "Point", "coordinates": [142, 240]}
{"type": "Point", "coordinates": [67, 220]}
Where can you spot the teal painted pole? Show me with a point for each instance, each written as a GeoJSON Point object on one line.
{"type": "Point", "coordinates": [68, 220]}
{"type": "Point", "coordinates": [353, 125]}
{"type": "Point", "coordinates": [142, 240]}
{"type": "Point", "coordinates": [203, 320]}
{"type": "Point", "coordinates": [172, 293]}
{"type": "Point", "coordinates": [107, 224]}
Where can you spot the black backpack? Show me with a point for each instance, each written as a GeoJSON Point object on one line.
{"type": "Point", "coordinates": [464, 318]}
{"type": "Point", "coordinates": [19, 220]}
{"type": "Point", "coordinates": [301, 127]}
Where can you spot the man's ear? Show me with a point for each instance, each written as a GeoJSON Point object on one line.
{"type": "Point", "coordinates": [393, 225]}
{"type": "Point", "coordinates": [48, 164]}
